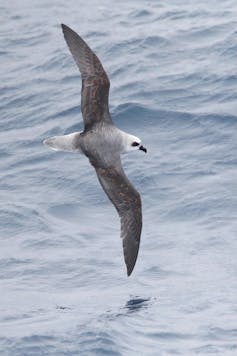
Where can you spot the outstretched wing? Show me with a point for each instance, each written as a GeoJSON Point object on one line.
{"type": "Point", "coordinates": [127, 201]}
{"type": "Point", "coordinates": [95, 82]}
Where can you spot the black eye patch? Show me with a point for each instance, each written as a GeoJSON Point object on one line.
{"type": "Point", "coordinates": [135, 144]}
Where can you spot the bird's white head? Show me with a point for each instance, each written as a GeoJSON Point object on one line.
{"type": "Point", "coordinates": [133, 143]}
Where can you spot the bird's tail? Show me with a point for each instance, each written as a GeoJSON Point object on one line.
{"type": "Point", "coordinates": [66, 143]}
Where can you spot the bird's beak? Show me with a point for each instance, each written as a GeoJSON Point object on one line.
{"type": "Point", "coordinates": [143, 149]}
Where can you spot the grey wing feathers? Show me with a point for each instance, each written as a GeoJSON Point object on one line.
{"type": "Point", "coordinates": [127, 201]}
{"type": "Point", "coordinates": [95, 82]}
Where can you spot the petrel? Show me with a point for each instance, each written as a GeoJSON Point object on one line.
{"type": "Point", "coordinates": [103, 143]}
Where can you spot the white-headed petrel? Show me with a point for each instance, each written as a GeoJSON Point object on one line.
{"type": "Point", "coordinates": [102, 142]}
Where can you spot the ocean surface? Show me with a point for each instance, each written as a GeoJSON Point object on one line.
{"type": "Point", "coordinates": [63, 283]}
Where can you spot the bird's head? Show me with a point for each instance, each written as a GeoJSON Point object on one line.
{"type": "Point", "coordinates": [133, 143]}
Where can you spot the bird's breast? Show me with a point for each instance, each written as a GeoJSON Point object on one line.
{"type": "Point", "coordinates": [102, 144]}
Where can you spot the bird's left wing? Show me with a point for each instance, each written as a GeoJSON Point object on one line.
{"type": "Point", "coordinates": [95, 82]}
{"type": "Point", "coordinates": [127, 202]}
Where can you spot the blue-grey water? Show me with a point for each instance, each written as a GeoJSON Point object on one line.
{"type": "Point", "coordinates": [63, 283]}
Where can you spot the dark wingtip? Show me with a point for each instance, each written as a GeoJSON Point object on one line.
{"type": "Point", "coordinates": [130, 254]}
{"type": "Point", "coordinates": [129, 270]}
{"type": "Point", "coordinates": [64, 27]}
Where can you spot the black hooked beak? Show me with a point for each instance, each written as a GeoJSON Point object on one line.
{"type": "Point", "coordinates": [143, 149]}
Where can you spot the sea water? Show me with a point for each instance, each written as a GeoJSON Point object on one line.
{"type": "Point", "coordinates": [63, 283]}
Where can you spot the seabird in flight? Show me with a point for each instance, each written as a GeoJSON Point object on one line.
{"type": "Point", "coordinates": [102, 142]}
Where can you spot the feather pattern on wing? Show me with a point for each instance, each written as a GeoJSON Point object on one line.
{"type": "Point", "coordinates": [127, 202]}
{"type": "Point", "coordinates": [95, 82]}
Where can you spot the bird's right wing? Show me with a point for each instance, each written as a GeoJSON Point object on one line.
{"type": "Point", "coordinates": [95, 82]}
{"type": "Point", "coordinates": [127, 201]}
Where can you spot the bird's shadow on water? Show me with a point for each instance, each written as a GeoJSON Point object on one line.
{"type": "Point", "coordinates": [134, 305]}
